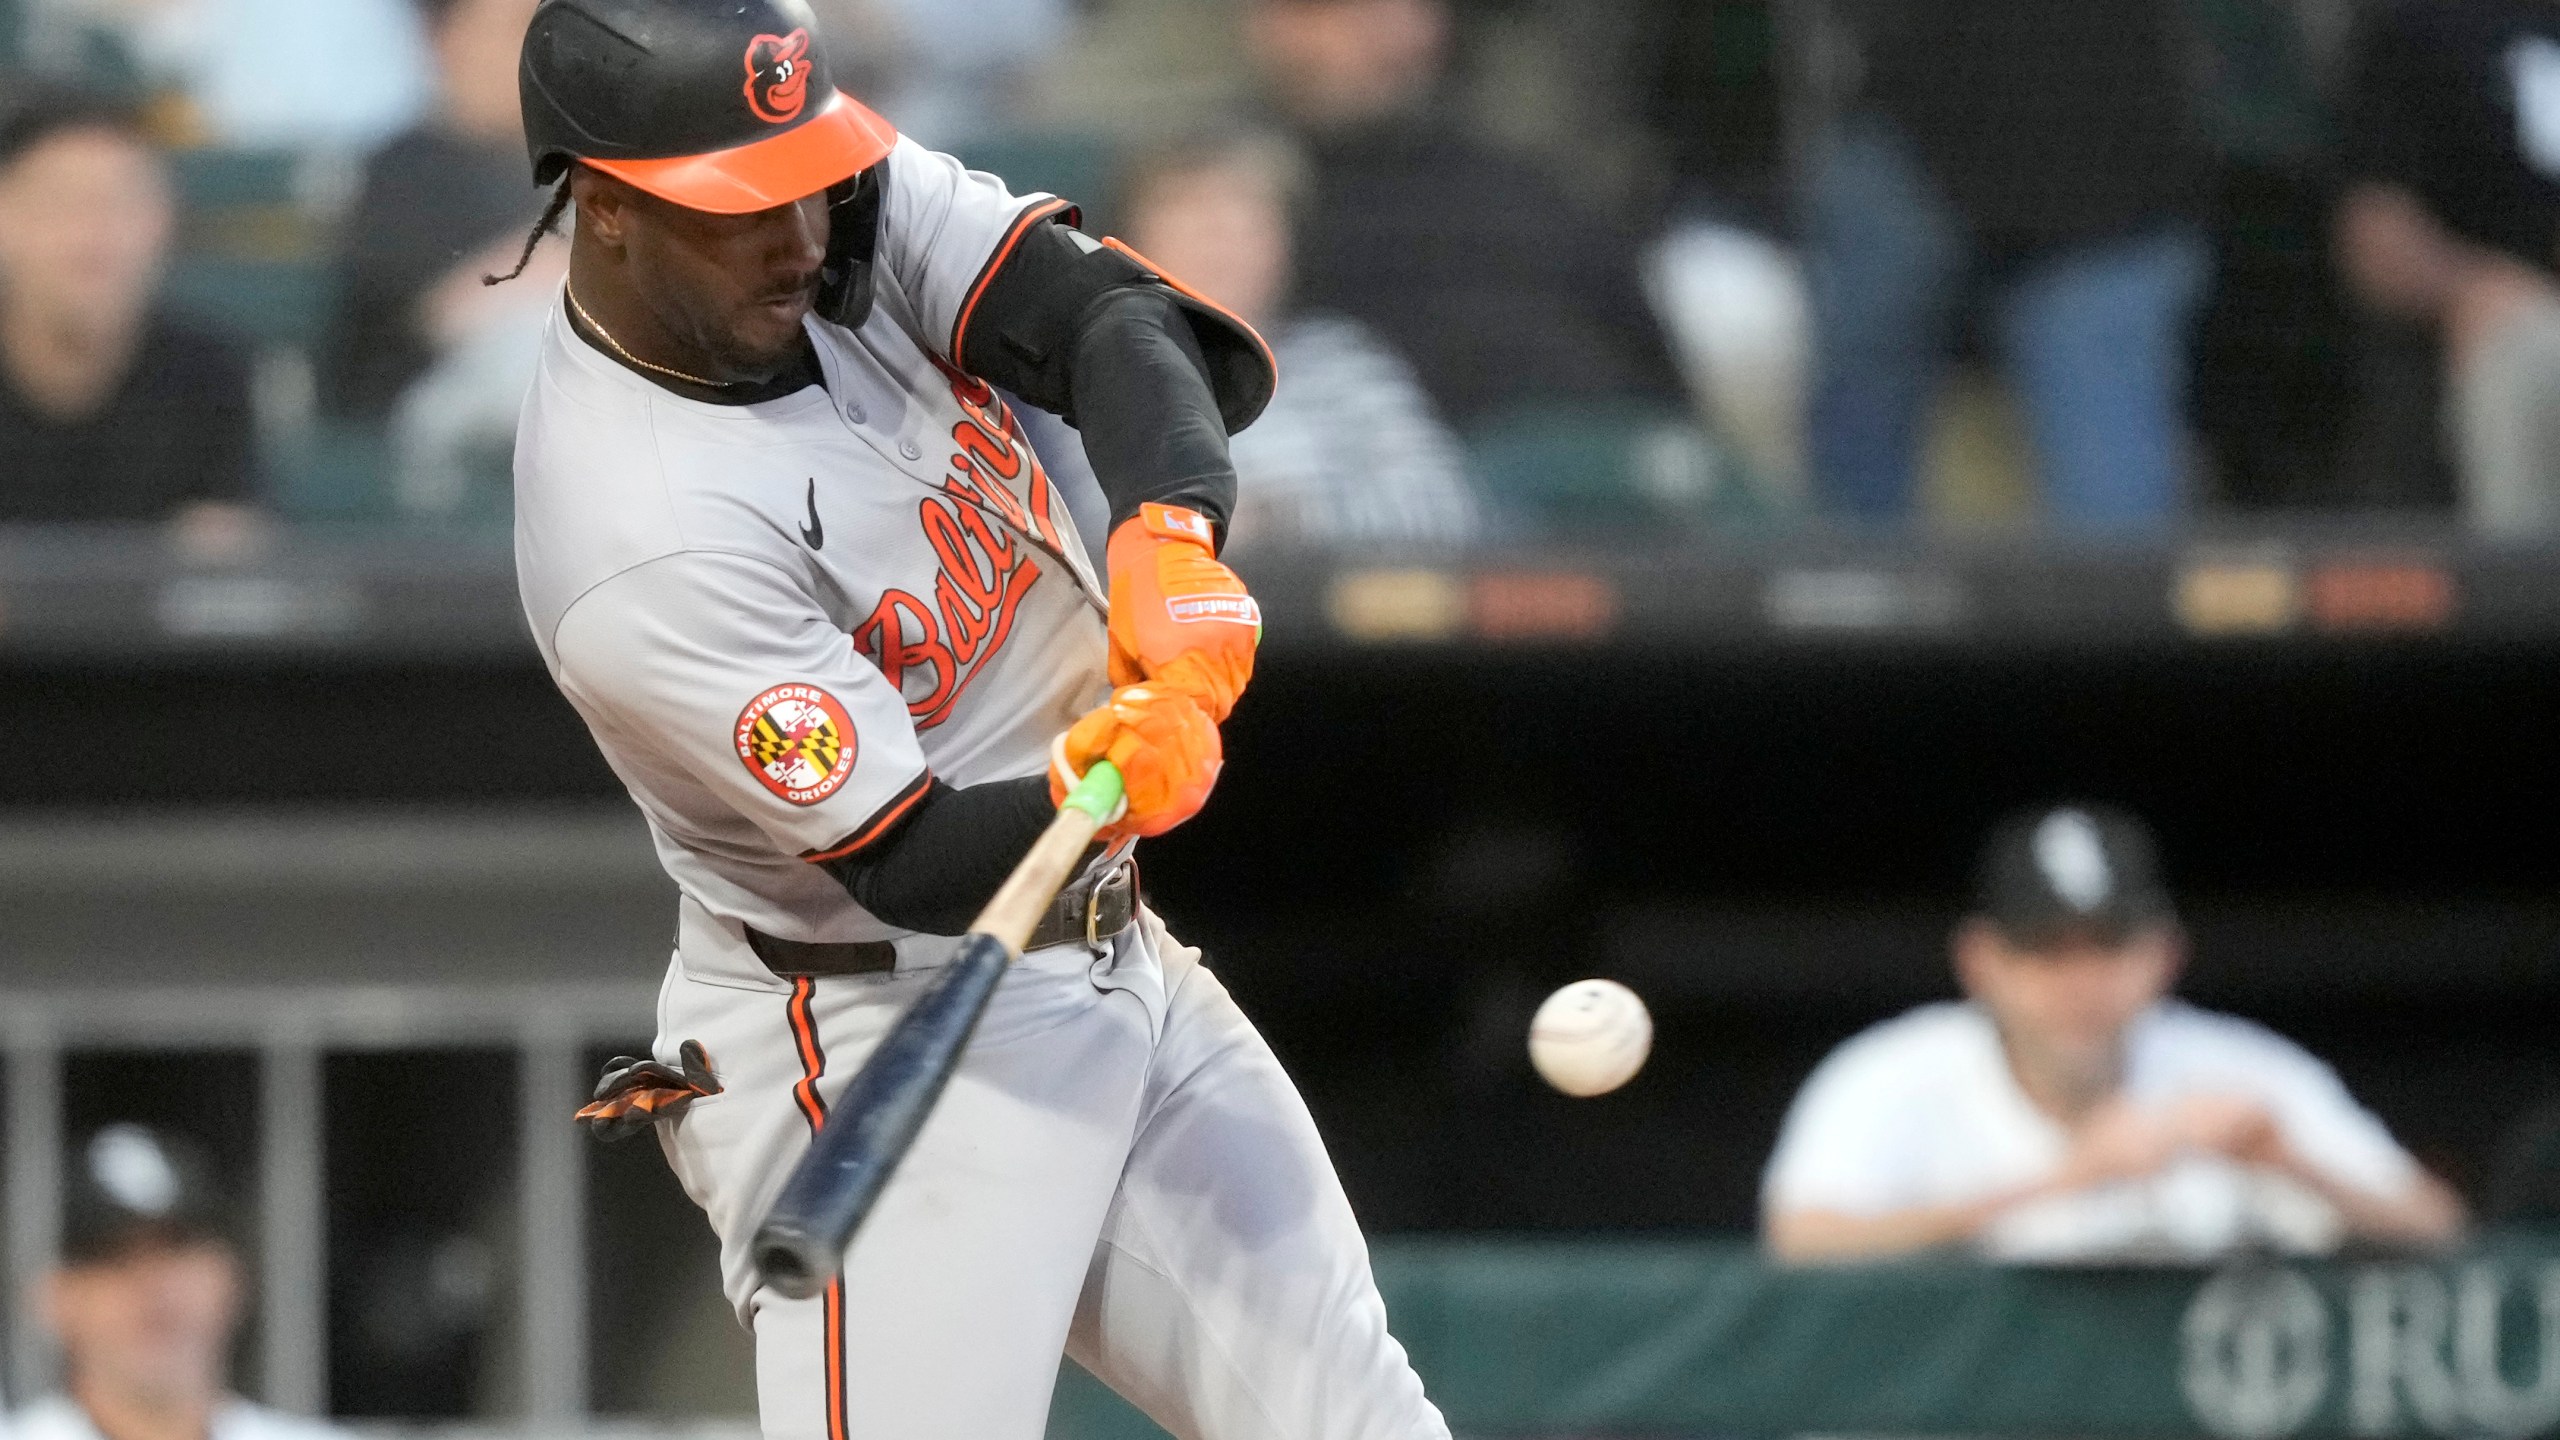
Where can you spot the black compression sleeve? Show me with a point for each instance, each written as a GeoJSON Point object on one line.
{"type": "Point", "coordinates": [1089, 333]}
{"type": "Point", "coordinates": [939, 865]}
{"type": "Point", "coordinates": [1143, 403]}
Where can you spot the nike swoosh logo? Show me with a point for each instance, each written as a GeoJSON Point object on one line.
{"type": "Point", "coordinates": [815, 532]}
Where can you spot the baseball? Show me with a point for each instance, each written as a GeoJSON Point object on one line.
{"type": "Point", "coordinates": [1590, 1037]}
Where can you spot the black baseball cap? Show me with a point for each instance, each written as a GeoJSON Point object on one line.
{"type": "Point", "coordinates": [2060, 873]}
{"type": "Point", "coordinates": [129, 1185]}
{"type": "Point", "coordinates": [36, 110]}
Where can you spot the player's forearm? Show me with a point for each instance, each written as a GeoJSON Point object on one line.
{"type": "Point", "coordinates": [1144, 406]}
{"type": "Point", "coordinates": [939, 866]}
{"type": "Point", "coordinates": [2423, 1215]}
{"type": "Point", "coordinates": [1817, 1236]}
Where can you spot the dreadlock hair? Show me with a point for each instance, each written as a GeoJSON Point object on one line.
{"type": "Point", "coordinates": [549, 224]}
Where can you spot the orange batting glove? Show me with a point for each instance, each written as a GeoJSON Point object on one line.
{"type": "Point", "coordinates": [1179, 618]}
{"type": "Point", "coordinates": [1165, 746]}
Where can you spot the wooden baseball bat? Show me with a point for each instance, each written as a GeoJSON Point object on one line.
{"type": "Point", "coordinates": [800, 1246]}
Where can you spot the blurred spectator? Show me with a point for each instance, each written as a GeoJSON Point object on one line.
{"type": "Point", "coordinates": [1734, 303]}
{"type": "Point", "coordinates": [2069, 1110]}
{"type": "Point", "coordinates": [948, 72]}
{"type": "Point", "coordinates": [145, 1303]}
{"type": "Point", "coordinates": [1703, 77]}
{"type": "Point", "coordinates": [1501, 289]}
{"type": "Point", "coordinates": [1142, 69]}
{"type": "Point", "coordinates": [2452, 220]}
{"type": "Point", "coordinates": [1349, 452]}
{"type": "Point", "coordinates": [2042, 153]}
{"type": "Point", "coordinates": [109, 409]}
{"type": "Point", "coordinates": [284, 73]}
{"type": "Point", "coordinates": [417, 341]}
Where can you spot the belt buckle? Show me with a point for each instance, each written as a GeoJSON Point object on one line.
{"type": "Point", "coordinates": [1093, 907]}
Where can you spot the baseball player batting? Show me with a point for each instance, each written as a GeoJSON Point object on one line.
{"type": "Point", "coordinates": [783, 547]}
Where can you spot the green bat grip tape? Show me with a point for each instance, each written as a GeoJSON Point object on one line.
{"type": "Point", "coordinates": [1097, 794]}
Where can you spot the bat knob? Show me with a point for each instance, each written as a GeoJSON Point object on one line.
{"type": "Point", "coordinates": [794, 1263]}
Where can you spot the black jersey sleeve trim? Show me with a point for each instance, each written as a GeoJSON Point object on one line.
{"type": "Point", "coordinates": [941, 859]}
{"type": "Point", "coordinates": [1052, 284]}
{"type": "Point", "coordinates": [881, 821]}
{"type": "Point", "coordinates": [1031, 215]}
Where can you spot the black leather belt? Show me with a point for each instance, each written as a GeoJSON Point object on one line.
{"type": "Point", "coordinates": [1092, 915]}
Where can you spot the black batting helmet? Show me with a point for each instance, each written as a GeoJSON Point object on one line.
{"type": "Point", "coordinates": [717, 105]}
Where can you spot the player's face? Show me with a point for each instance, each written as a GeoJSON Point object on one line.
{"type": "Point", "coordinates": [2067, 1003]}
{"type": "Point", "coordinates": [729, 290]}
{"type": "Point", "coordinates": [153, 1324]}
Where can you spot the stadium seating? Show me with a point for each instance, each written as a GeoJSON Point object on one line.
{"type": "Point", "coordinates": [1610, 467]}
{"type": "Point", "coordinates": [253, 257]}
{"type": "Point", "coordinates": [1077, 167]}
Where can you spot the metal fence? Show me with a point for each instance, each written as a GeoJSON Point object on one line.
{"type": "Point", "coordinates": [549, 1028]}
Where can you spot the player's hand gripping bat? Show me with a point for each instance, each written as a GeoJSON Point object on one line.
{"type": "Point", "coordinates": [800, 1246]}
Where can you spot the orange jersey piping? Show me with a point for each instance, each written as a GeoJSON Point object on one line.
{"type": "Point", "coordinates": [1021, 226]}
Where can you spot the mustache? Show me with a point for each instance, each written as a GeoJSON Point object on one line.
{"type": "Point", "coordinates": [792, 290]}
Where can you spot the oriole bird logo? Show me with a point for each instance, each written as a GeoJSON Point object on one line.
{"type": "Point", "coordinates": [778, 76]}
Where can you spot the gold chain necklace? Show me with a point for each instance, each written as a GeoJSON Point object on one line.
{"type": "Point", "coordinates": [607, 336]}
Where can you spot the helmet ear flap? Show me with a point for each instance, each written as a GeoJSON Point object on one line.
{"type": "Point", "coordinates": [845, 284]}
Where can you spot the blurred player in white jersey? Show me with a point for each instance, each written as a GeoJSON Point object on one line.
{"type": "Point", "coordinates": [2068, 1109]}
{"type": "Point", "coordinates": [145, 1303]}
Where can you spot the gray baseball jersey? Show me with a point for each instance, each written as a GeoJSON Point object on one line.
{"type": "Point", "coordinates": [782, 620]}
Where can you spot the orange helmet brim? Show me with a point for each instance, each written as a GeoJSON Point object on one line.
{"type": "Point", "coordinates": [841, 141]}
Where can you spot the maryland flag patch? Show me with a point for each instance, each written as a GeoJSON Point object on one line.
{"type": "Point", "coordinates": [797, 740]}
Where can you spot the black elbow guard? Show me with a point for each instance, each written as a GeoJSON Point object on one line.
{"type": "Point", "coordinates": [1022, 331]}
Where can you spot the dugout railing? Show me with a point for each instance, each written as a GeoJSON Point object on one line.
{"type": "Point", "coordinates": [550, 1029]}
{"type": "Point", "coordinates": [1680, 1337]}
